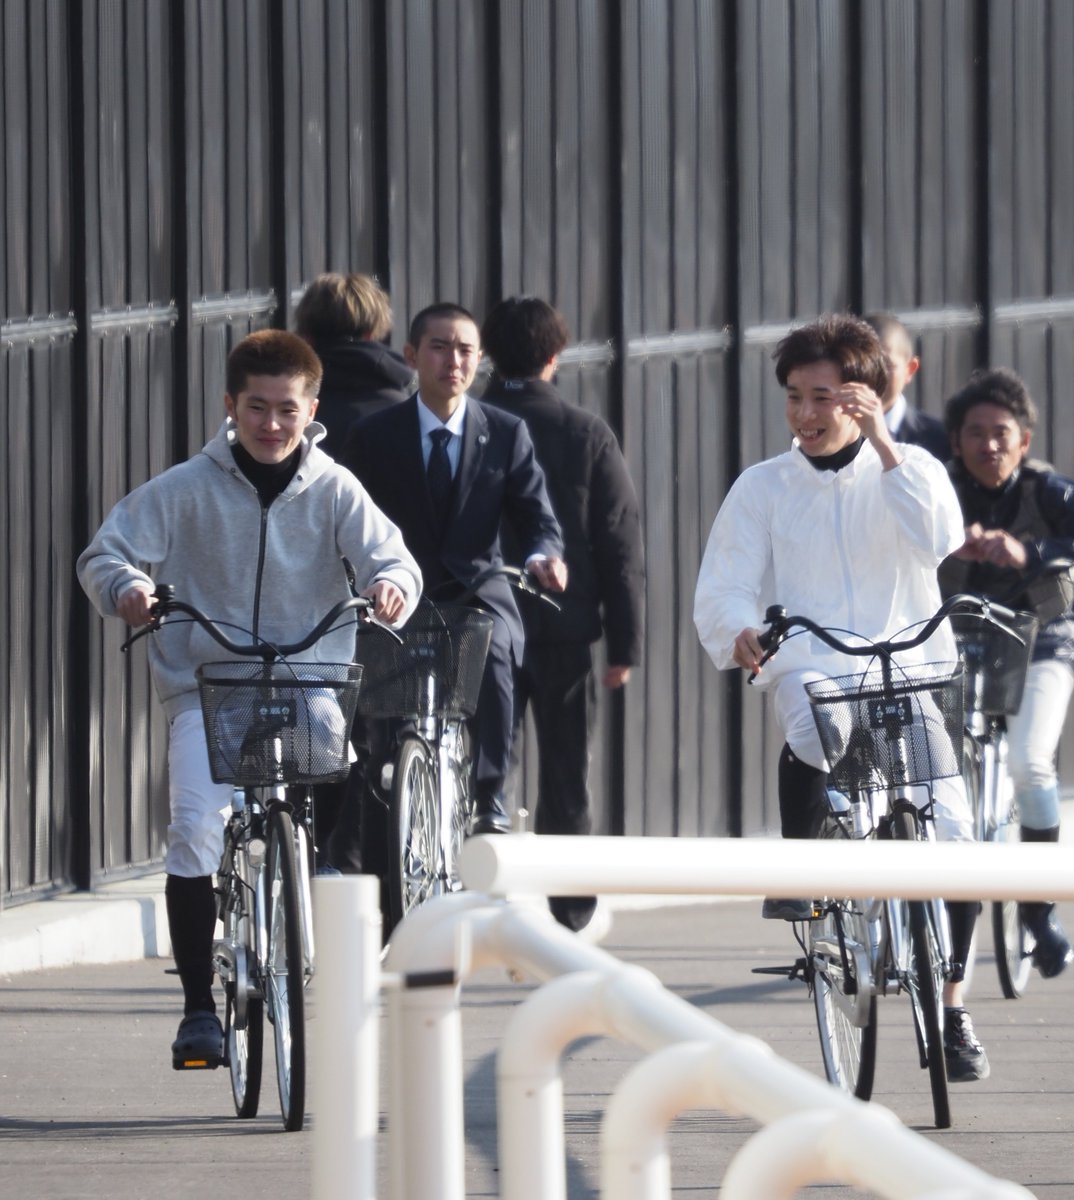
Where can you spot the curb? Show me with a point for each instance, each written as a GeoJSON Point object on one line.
{"type": "Point", "coordinates": [119, 922]}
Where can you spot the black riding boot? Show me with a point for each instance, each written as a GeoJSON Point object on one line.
{"type": "Point", "coordinates": [1053, 951]}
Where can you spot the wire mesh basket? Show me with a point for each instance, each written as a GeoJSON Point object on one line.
{"type": "Point", "coordinates": [269, 723]}
{"type": "Point", "coordinates": [435, 672]}
{"type": "Point", "coordinates": [876, 736]}
{"type": "Point", "coordinates": [995, 663]}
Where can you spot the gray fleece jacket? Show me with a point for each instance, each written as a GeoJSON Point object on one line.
{"type": "Point", "coordinates": [275, 572]}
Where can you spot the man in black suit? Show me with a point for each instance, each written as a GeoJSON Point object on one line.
{"type": "Point", "coordinates": [597, 507]}
{"type": "Point", "coordinates": [904, 422]}
{"type": "Point", "coordinates": [447, 470]}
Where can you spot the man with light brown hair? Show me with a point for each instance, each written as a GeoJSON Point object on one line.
{"type": "Point", "coordinates": [346, 319]}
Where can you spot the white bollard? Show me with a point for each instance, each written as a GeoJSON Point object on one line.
{"type": "Point", "coordinates": [344, 1099]}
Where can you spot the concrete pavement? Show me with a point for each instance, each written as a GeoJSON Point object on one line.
{"type": "Point", "coordinates": [89, 1105]}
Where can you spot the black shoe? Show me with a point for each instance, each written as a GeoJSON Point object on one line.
{"type": "Point", "coordinates": [788, 910]}
{"type": "Point", "coordinates": [1052, 952]}
{"type": "Point", "coordinates": [490, 816]}
{"type": "Point", "coordinates": [199, 1044]}
{"type": "Point", "coordinates": [964, 1054]}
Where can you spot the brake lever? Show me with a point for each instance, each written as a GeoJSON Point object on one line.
{"type": "Point", "coordinates": [770, 639]}
{"type": "Point", "coordinates": [367, 618]}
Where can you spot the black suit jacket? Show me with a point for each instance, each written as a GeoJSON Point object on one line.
{"type": "Point", "coordinates": [498, 478]}
{"type": "Point", "coordinates": [597, 507]}
{"type": "Point", "coordinates": [920, 429]}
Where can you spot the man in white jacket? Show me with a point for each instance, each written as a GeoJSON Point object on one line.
{"type": "Point", "coordinates": [257, 531]}
{"type": "Point", "coordinates": [848, 528]}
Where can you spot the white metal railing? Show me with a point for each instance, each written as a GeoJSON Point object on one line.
{"type": "Point", "coordinates": [540, 864]}
{"type": "Point", "coordinates": [693, 1059]}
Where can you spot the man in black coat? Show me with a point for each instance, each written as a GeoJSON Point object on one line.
{"type": "Point", "coordinates": [448, 471]}
{"type": "Point", "coordinates": [906, 423]}
{"type": "Point", "coordinates": [345, 318]}
{"type": "Point", "coordinates": [594, 499]}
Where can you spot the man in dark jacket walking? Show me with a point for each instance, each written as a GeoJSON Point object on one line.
{"type": "Point", "coordinates": [597, 508]}
{"type": "Point", "coordinates": [345, 318]}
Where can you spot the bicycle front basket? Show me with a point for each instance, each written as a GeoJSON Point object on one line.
{"type": "Point", "coordinates": [271, 723]}
{"type": "Point", "coordinates": [995, 663]}
{"type": "Point", "coordinates": [435, 672]}
{"type": "Point", "coordinates": [863, 724]}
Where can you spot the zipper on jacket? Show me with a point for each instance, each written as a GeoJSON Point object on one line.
{"type": "Point", "coordinates": [262, 540]}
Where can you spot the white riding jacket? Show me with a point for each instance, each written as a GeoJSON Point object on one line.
{"type": "Point", "coordinates": [855, 549]}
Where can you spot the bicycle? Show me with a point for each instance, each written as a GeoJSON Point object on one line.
{"type": "Point", "coordinates": [429, 684]}
{"type": "Point", "coordinates": [884, 732]}
{"type": "Point", "coordinates": [273, 728]}
{"type": "Point", "coordinates": [995, 666]}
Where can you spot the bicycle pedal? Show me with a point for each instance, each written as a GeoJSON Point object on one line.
{"type": "Point", "coordinates": [197, 1064]}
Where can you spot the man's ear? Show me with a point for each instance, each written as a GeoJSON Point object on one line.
{"type": "Point", "coordinates": [229, 405]}
{"type": "Point", "coordinates": [912, 365]}
{"type": "Point", "coordinates": [410, 356]}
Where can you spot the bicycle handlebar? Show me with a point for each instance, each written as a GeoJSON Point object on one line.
{"type": "Point", "coordinates": [166, 604]}
{"type": "Point", "coordinates": [517, 577]}
{"type": "Point", "coordinates": [780, 625]}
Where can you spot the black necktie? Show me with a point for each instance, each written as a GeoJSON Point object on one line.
{"type": "Point", "coordinates": [439, 470]}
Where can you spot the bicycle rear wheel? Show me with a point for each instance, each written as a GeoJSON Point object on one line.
{"type": "Point", "coordinates": [414, 873]}
{"type": "Point", "coordinates": [925, 980]}
{"type": "Point", "coordinates": [285, 971]}
{"type": "Point", "coordinates": [844, 995]}
{"type": "Point", "coordinates": [459, 807]}
{"type": "Point", "coordinates": [1014, 943]}
{"type": "Point", "coordinates": [244, 1020]}
{"type": "Point", "coordinates": [843, 998]}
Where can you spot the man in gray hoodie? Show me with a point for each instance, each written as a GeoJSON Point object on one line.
{"type": "Point", "coordinates": [253, 531]}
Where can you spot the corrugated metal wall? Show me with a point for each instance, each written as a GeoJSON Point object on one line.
{"type": "Point", "coordinates": [685, 178]}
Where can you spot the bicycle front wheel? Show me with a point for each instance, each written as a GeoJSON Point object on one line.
{"type": "Point", "coordinates": [285, 970]}
{"type": "Point", "coordinates": [925, 980]}
{"type": "Point", "coordinates": [844, 995]}
{"type": "Point", "coordinates": [414, 872]}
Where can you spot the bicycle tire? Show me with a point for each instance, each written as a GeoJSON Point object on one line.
{"type": "Point", "coordinates": [925, 982]}
{"type": "Point", "coordinates": [1013, 942]}
{"type": "Point", "coordinates": [839, 954]}
{"type": "Point", "coordinates": [245, 1045]}
{"type": "Point", "coordinates": [460, 809]}
{"type": "Point", "coordinates": [285, 970]}
{"type": "Point", "coordinates": [414, 871]}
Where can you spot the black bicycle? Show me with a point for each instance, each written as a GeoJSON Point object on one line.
{"type": "Point", "coordinates": [884, 732]}
{"type": "Point", "coordinates": [996, 659]}
{"type": "Point", "coordinates": [274, 728]}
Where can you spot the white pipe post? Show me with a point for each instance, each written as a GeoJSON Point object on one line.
{"type": "Point", "coordinates": [869, 1150]}
{"type": "Point", "coordinates": [565, 866]}
{"type": "Point", "coordinates": [425, 1091]}
{"type": "Point", "coordinates": [346, 918]}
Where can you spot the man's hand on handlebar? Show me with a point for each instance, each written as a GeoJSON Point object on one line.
{"type": "Point", "coordinates": [748, 651]}
{"type": "Point", "coordinates": [550, 573]}
{"type": "Point", "coordinates": [389, 602]}
{"type": "Point", "coordinates": [135, 606]}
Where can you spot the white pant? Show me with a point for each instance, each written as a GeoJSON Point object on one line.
{"type": "Point", "coordinates": [1033, 734]}
{"type": "Point", "coordinates": [951, 811]}
{"type": "Point", "coordinates": [199, 807]}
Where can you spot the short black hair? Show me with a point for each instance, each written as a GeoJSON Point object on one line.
{"type": "Point", "coordinates": [848, 342]}
{"type": "Point", "coordinates": [992, 385]}
{"type": "Point", "coordinates": [522, 335]}
{"type": "Point", "coordinates": [435, 312]}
